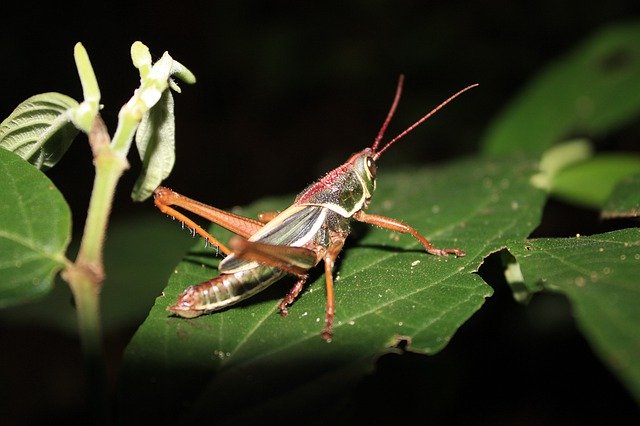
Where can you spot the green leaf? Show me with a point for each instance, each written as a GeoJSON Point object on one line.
{"type": "Point", "coordinates": [592, 181]}
{"type": "Point", "coordinates": [40, 129]}
{"type": "Point", "coordinates": [127, 260]}
{"type": "Point", "coordinates": [155, 139]}
{"type": "Point", "coordinates": [35, 228]}
{"type": "Point", "coordinates": [599, 276]}
{"type": "Point", "coordinates": [387, 290]}
{"type": "Point", "coordinates": [624, 200]}
{"type": "Point", "coordinates": [591, 91]}
{"type": "Point", "coordinates": [571, 172]}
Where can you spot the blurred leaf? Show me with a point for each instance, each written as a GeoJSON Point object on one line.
{"type": "Point", "coordinates": [35, 228]}
{"type": "Point", "coordinates": [155, 139]}
{"type": "Point", "coordinates": [599, 275]}
{"type": "Point", "coordinates": [136, 273]}
{"type": "Point", "coordinates": [592, 90]}
{"type": "Point", "coordinates": [387, 290]}
{"type": "Point", "coordinates": [592, 181]}
{"type": "Point", "coordinates": [624, 200]}
{"type": "Point", "coordinates": [558, 158]}
{"type": "Point", "coordinates": [40, 129]}
{"type": "Point", "coordinates": [571, 172]}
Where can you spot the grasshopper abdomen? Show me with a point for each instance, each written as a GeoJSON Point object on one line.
{"type": "Point", "coordinates": [223, 291]}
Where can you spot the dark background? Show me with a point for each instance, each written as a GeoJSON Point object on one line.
{"type": "Point", "coordinates": [287, 90]}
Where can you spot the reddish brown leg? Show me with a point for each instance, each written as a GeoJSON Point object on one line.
{"type": "Point", "coordinates": [329, 261]}
{"type": "Point", "coordinates": [292, 295]}
{"type": "Point", "coordinates": [164, 198]}
{"type": "Point", "coordinates": [397, 226]}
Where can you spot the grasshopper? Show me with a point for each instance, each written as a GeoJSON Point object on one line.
{"type": "Point", "coordinates": [291, 242]}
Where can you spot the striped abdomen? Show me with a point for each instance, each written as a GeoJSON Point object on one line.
{"type": "Point", "coordinates": [224, 290]}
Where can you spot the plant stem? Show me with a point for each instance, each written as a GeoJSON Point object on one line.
{"type": "Point", "coordinates": [86, 275]}
{"type": "Point", "coordinates": [109, 169]}
{"type": "Point", "coordinates": [86, 293]}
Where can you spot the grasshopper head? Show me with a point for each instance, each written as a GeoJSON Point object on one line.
{"type": "Point", "coordinates": [363, 164]}
{"type": "Point", "coordinates": [358, 180]}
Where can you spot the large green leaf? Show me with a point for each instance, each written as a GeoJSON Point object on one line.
{"type": "Point", "coordinates": [40, 129]}
{"type": "Point", "coordinates": [592, 90]}
{"type": "Point", "coordinates": [387, 291]}
{"type": "Point", "coordinates": [35, 228]}
{"type": "Point", "coordinates": [600, 276]}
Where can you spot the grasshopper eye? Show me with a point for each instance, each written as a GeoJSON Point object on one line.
{"type": "Point", "coordinates": [371, 166]}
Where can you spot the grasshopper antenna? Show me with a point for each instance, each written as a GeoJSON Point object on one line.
{"type": "Point", "coordinates": [414, 125]}
{"type": "Point", "coordinates": [392, 111]}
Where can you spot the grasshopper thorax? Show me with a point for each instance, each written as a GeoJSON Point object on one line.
{"type": "Point", "coordinates": [347, 188]}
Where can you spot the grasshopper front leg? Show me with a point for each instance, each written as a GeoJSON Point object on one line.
{"type": "Point", "coordinates": [403, 228]}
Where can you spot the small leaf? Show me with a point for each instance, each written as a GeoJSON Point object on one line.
{"type": "Point", "coordinates": [90, 89]}
{"type": "Point", "coordinates": [40, 129]}
{"type": "Point", "coordinates": [155, 139]}
{"type": "Point", "coordinates": [182, 72]}
{"type": "Point", "coordinates": [591, 91]}
{"type": "Point", "coordinates": [387, 291]}
{"type": "Point", "coordinates": [624, 200]}
{"type": "Point", "coordinates": [141, 58]}
{"type": "Point", "coordinates": [84, 114]}
{"type": "Point", "coordinates": [35, 228]}
{"type": "Point", "coordinates": [599, 275]}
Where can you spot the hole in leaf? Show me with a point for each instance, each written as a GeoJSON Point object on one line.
{"type": "Point", "coordinates": [560, 219]}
